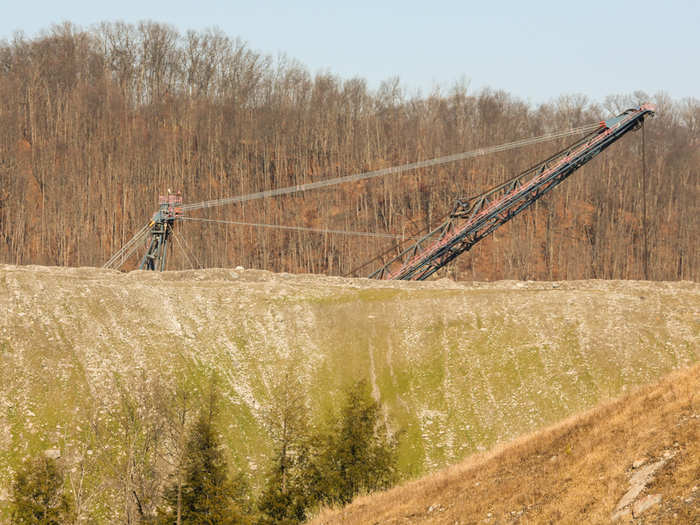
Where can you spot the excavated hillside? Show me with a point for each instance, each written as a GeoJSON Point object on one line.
{"type": "Point", "coordinates": [459, 366]}
{"type": "Point", "coordinates": [636, 460]}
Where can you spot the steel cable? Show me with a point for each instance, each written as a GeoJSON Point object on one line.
{"type": "Point", "coordinates": [299, 228]}
{"type": "Point", "coordinates": [182, 247]}
{"type": "Point", "coordinates": [389, 171]}
{"type": "Point", "coordinates": [127, 250]}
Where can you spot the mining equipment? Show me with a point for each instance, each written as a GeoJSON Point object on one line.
{"type": "Point", "coordinates": [471, 219]}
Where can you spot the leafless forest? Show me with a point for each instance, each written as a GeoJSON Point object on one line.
{"type": "Point", "coordinates": [95, 124]}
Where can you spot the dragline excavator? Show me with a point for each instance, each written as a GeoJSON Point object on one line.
{"type": "Point", "coordinates": [473, 219]}
{"type": "Point", "coordinates": [470, 221]}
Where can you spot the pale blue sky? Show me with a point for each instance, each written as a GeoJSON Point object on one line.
{"type": "Point", "coordinates": [535, 50]}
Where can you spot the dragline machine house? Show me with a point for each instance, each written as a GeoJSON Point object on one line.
{"type": "Point", "coordinates": [470, 221]}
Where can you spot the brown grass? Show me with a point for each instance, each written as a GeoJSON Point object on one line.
{"type": "Point", "coordinates": [573, 472]}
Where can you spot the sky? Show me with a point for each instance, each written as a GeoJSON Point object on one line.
{"type": "Point", "coordinates": [536, 50]}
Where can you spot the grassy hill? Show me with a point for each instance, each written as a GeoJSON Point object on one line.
{"type": "Point", "coordinates": [633, 460]}
{"type": "Point", "coordinates": [459, 367]}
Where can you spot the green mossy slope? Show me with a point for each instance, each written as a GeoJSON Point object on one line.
{"type": "Point", "coordinates": [458, 366]}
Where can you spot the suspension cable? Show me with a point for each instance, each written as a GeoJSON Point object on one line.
{"type": "Point", "coordinates": [182, 246]}
{"type": "Point", "coordinates": [125, 251]}
{"type": "Point", "coordinates": [128, 249]}
{"type": "Point", "coordinates": [300, 228]}
{"type": "Point", "coordinates": [390, 171]}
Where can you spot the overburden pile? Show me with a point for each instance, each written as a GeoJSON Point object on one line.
{"type": "Point", "coordinates": [456, 367]}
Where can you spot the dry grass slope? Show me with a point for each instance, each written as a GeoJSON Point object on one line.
{"type": "Point", "coordinates": [574, 472]}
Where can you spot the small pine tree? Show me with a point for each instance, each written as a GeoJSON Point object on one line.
{"type": "Point", "coordinates": [207, 494]}
{"type": "Point", "coordinates": [357, 455]}
{"type": "Point", "coordinates": [365, 452]}
{"type": "Point", "coordinates": [282, 503]}
{"type": "Point", "coordinates": [283, 499]}
{"type": "Point", "coordinates": [37, 494]}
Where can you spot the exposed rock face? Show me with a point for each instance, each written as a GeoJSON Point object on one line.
{"type": "Point", "coordinates": [645, 503]}
{"type": "Point", "coordinates": [638, 482]}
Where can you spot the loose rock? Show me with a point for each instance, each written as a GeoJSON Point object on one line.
{"type": "Point", "coordinates": [645, 504]}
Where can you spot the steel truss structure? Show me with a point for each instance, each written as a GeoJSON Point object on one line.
{"type": "Point", "coordinates": [473, 219]}
{"type": "Point", "coordinates": [161, 229]}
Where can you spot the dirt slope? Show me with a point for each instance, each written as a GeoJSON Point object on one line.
{"type": "Point", "coordinates": [636, 460]}
{"type": "Point", "coordinates": [459, 367]}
